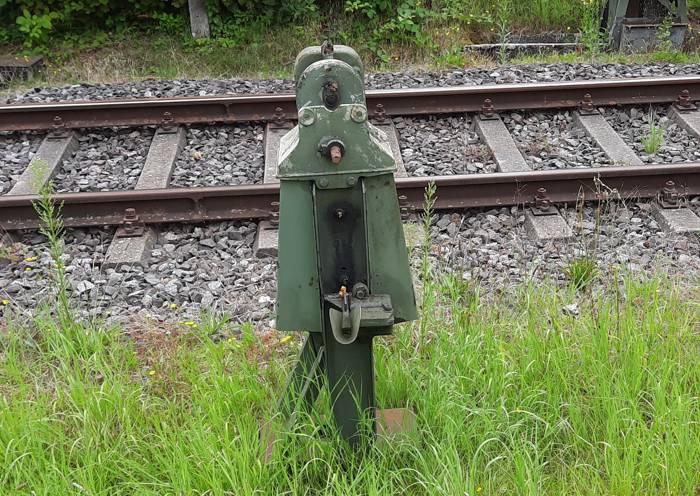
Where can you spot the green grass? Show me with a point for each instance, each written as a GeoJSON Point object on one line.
{"type": "Point", "coordinates": [513, 396]}
{"type": "Point", "coordinates": [581, 272]}
{"type": "Point", "coordinates": [655, 138]}
{"type": "Point", "coordinates": [163, 57]}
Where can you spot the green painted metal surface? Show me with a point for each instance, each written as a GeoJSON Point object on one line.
{"type": "Point", "coordinates": [343, 270]}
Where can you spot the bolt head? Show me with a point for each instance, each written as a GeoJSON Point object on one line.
{"type": "Point", "coordinates": [358, 113]}
{"type": "Point", "coordinates": [352, 180]}
{"type": "Point", "coordinates": [307, 117]}
{"type": "Point", "coordinates": [323, 182]}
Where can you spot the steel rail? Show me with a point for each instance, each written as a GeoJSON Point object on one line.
{"type": "Point", "coordinates": [453, 192]}
{"type": "Point", "coordinates": [416, 101]}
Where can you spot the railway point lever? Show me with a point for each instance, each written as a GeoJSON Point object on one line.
{"type": "Point", "coordinates": [343, 273]}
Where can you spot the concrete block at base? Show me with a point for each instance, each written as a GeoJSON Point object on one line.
{"type": "Point", "coordinates": [495, 134]}
{"type": "Point", "coordinates": [394, 421]}
{"type": "Point", "coordinates": [393, 135]}
{"type": "Point", "coordinates": [546, 227]}
{"type": "Point", "coordinates": [48, 159]}
{"type": "Point", "coordinates": [130, 251]}
{"type": "Point", "coordinates": [607, 139]}
{"type": "Point", "coordinates": [265, 240]}
{"type": "Point", "coordinates": [676, 220]}
{"type": "Point", "coordinates": [690, 121]}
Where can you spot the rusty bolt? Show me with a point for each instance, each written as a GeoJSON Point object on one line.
{"type": "Point", "coordinates": [487, 109]}
{"type": "Point", "coordinates": [669, 193]}
{"type": "Point", "coordinates": [327, 48]}
{"type": "Point", "coordinates": [587, 103]}
{"type": "Point", "coordinates": [274, 213]}
{"type": "Point", "coordinates": [684, 99]}
{"type": "Point", "coordinates": [130, 220]}
{"type": "Point", "coordinates": [57, 122]}
{"type": "Point", "coordinates": [278, 117]}
{"type": "Point", "coordinates": [542, 200]}
{"type": "Point", "coordinates": [336, 154]}
{"type": "Point", "coordinates": [379, 112]}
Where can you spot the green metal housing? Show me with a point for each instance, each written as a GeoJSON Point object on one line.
{"type": "Point", "coordinates": [343, 272]}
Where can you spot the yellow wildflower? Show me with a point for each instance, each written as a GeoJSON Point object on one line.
{"type": "Point", "coordinates": [30, 259]}
{"type": "Point", "coordinates": [173, 306]}
{"type": "Point", "coordinates": [5, 302]}
{"type": "Point", "coordinates": [151, 373]}
{"type": "Point", "coordinates": [285, 339]}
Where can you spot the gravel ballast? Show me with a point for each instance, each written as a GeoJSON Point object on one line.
{"type": "Point", "coordinates": [199, 268]}
{"type": "Point", "coordinates": [388, 80]}
{"type": "Point", "coordinates": [212, 267]}
{"type": "Point", "coordinates": [16, 152]}
{"type": "Point", "coordinates": [549, 140]}
{"type": "Point", "coordinates": [492, 247]}
{"type": "Point", "coordinates": [221, 155]}
{"type": "Point", "coordinates": [442, 146]}
{"type": "Point", "coordinates": [106, 160]}
{"type": "Point", "coordinates": [634, 125]}
{"type": "Point", "coordinates": [192, 268]}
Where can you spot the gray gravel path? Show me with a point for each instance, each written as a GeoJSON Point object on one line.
{"type": "Point", "coordinates": [16, 151]}
{"type": "Point", "coordinates": [442, 146]}
{"type": "Point", "coordinates": [106, 159]}
{"type": "Point", "coordinates": [634, 124]}
{"type": "Point", "coordinates": [410, 79]}
{"type": "Point", "coordinates": [549, 140]}
{"type": "Point", "coordinates": [221, 155]}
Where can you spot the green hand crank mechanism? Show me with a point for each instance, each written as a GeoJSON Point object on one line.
{"type": "Point", "coordinates": [343, 264]}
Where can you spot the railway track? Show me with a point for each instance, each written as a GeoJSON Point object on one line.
{"type": "Point", "coordinates": [514, 183]}
{"type": "Point", "coordinates": [486, 114]}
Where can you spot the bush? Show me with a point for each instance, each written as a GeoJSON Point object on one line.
{"type": "Point", "coordinates": [35, 22]}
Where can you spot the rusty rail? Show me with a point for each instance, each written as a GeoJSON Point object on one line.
{"type": "Point", "coordinates": [453, 192]}
{"type": "Point", "coordinates": [422, 101]}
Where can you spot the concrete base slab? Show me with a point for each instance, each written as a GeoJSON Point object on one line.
{"type": "Point", "coordinates": [394, 421]}
{"type": "Point", "coordinates": [546, 227]}
{"type": "Point", "coordinates": [505, 152]}
{"type": "Point", "coordinates": [414, 236]}
{"type": "Point", "coordinates": [273, 135]}
{"type": "Point", "coordinates": [607, 139]}
{"type": "Point", "coordinates": [164, 149]}
{"type": "Point", "coordinates": [690, 121]}
{"type": "Point", "coordinates": [130, 251]}
{"type": "Point", "coordinates": [8, 238]}
{"type": "Point", "coordinates": [676, 220]}
{"type": "Point", "coordinates": [265, 240]}
{"type": "Point", "coordinates": [393, 135]}
{"type": "Point", "coordinates": [48, 159]}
